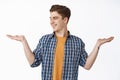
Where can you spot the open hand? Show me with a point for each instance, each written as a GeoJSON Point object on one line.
{"type": "Point", "coordinates": [16, 37]}
{"type": "Point", "coordinates": [104, 40]}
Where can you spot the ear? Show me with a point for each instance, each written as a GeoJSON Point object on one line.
{"type": "Point", "coordinates": [66, 20]}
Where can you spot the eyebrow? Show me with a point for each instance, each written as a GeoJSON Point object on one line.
{"type": "Point", "coordinates": [54, 17]}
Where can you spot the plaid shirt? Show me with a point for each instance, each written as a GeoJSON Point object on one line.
{"type": "Point", "coordinates": [74, 56]}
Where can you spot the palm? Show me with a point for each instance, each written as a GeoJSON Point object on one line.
{"type": "Point", "coordinates": [16, 37]}
{"type": "Point", "coordinates": [105, 40]}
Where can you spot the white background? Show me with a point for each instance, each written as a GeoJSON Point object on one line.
{"type": "Point", "coordinates": [90, 20]}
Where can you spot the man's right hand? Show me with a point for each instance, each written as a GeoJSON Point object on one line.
{"type": "Point", "coordinates": [29, 54]}
{"type": "Point", "coordinates": [20, 38]}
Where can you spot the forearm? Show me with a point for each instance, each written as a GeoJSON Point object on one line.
{"type": "Point", "coordinates": [28, 53]}
{"type": "Point", "coordinates": [92, 57]}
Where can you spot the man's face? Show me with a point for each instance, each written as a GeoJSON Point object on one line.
{"type": "Point", "coordinates": [57, 22]}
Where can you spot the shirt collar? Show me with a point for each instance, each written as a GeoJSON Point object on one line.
{"type": "Point", "coordinates": [53, 34]}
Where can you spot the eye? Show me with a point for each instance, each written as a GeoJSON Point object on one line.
{"type": "Point", "coordinates": [55, 17]}
{"type": "Point", "coordinates": [50, 18]}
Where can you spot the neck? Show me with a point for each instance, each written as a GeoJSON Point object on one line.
{"type": "Point", "coordinates": [63, 33]}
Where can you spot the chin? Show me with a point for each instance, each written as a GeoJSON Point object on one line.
{"type": "Point", "coordinates": [55, 30]}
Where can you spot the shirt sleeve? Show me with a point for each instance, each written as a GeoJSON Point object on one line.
{"type": "Point", "coordinates": [38, 54]}
{"type": "Point", "coordinates": [83, 55]}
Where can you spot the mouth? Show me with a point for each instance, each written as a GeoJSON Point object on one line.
{"type": "Point", "coordinates": [54, 26]}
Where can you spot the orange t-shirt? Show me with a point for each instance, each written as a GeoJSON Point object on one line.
{"type": "Point", "coordinates": [59, 58]}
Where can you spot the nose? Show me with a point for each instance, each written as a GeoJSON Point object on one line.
{"type": "Point", "coordinates": [51, 21]}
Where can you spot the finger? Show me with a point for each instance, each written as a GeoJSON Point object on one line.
{"type": "Point", "coordinates": [11, 37]}
{"type": "Point", "coordinates": [109, 39]}
{"type": "Point", "coordinates": [112, 38]}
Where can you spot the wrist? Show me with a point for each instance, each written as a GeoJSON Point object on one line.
{"type": "Point", "coordinates": [98, 45]}
{"type": "Point", "coordinates": [23, 40]}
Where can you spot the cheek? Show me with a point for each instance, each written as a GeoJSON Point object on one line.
{"type": "Point", "coordinates": [59, 22]}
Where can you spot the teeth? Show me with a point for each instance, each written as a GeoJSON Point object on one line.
{"type": "Point", "coordinates": [54, 25]}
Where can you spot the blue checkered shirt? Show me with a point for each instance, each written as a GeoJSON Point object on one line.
{"type": "Point", "coordinates": [74, 55]}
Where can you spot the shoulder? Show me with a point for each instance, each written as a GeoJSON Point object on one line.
{"type": "Point", "coordinates": [46, 37]}
{"type": "Point", "coordinates": [76, 38]}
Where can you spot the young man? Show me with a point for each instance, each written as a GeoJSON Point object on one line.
{"type": "Point", "coordinates": [60, 52]}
